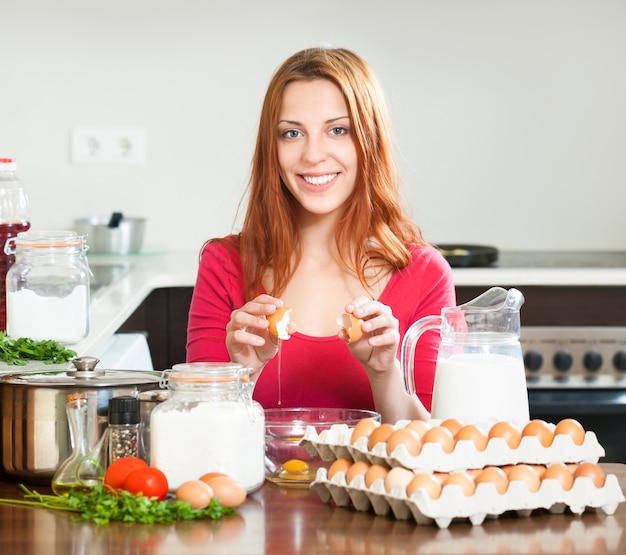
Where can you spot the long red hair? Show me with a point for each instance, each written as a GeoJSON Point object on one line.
{"type": "Point", "coordinates": [374, 226]}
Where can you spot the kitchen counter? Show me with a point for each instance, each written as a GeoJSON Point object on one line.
{"type": "Point", "coordinates": [112, 304]}
{"type": "Point", "coordinates": [275, 520]}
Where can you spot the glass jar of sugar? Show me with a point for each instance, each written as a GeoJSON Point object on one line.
{"type": "Point", "coordinates": [210, 423]}
{"type": "Point", "coordinates": [48, 286]}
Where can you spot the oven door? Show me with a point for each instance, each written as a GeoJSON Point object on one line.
{"type": "Point", "coordinates": [602, 411]}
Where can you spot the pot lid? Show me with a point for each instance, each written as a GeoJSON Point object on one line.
{"type": "Point", "coordinates": [83, 373]}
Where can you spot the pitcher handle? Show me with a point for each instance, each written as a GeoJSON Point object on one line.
{"type": "Point", "coordinates": [409, 342]}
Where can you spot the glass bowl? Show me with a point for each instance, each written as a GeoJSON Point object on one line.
{"type": "Point", "coordinates": [284, 428]}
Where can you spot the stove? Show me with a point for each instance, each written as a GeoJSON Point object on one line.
{"type": "Point", "coordinates": [103, 275]}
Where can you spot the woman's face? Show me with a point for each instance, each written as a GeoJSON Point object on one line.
{"type": "Point", "coordinates": [316, 150]}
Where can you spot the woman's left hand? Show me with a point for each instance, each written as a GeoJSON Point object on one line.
{"type": "Point", "coordinates": [377, 348]}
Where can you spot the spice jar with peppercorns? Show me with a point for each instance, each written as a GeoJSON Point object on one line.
{"type": "Point", "coordinates": [124, 419]}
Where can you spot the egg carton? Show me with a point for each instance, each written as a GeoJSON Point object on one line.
{"type": "Point", "coordinates": [335, 443]}
{"type": "Point", "coordinates": [453, 505]}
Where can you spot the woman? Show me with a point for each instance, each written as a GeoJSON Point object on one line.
{"type": "Point", "coordinates": [324, 234]}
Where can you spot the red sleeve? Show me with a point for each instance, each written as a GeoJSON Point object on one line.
{"type": "Point", "coordinates": [218, 291]}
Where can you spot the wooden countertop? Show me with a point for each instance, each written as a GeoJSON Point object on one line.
{"type": "Point", "coordinates": [275, 520]}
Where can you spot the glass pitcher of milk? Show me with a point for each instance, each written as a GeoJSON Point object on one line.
{"type": "Point", "coordinates": [480, 372]}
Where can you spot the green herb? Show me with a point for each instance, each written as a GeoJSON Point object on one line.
{"type": "Point", "coordinates": [19, 351]}
{"type": "Point", "coordinates": [101, 506]}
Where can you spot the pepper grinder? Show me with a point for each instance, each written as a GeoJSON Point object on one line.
{"type": "Point", "coordinates": [124, 419]}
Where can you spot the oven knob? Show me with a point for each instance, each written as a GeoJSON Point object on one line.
{"type": "Point", "coordinates": [592, 361]}
{"type": "Point", "coordinates": [533, 360]}
{"type": "Point", "coordinates": [619, 361]}
{"type": "Point", "coordinates": [562, 361]}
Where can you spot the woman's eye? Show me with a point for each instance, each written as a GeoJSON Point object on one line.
{"type": "Point", "coordinates": [339, 131]}
{"type": "Point", "coordinates": [291, 134]}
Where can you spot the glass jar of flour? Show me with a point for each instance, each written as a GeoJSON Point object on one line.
{"type": "Point", "coordinates": [48, 286]}
{"type": "Point", "coordinates": [210, 423]}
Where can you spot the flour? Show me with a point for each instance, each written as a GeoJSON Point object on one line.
{"type": "Point", "coordinates": [63, 319]}
{"type": "Point", "coordinates": [216, 436]}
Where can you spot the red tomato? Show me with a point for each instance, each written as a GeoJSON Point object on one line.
{"type": "Point", "coordinates": [118, 470]}
{"type": "Point", "coordinates": [149, 481]}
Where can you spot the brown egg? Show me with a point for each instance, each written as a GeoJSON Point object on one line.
{"type": "Point", "coordinates": [427, 482]}
{"type": "Point", "coordinates": [375, 472]}
{"type": "Point", "coordinates": [359, 468]}
{"type": "Point", "coordinates": [540, 430]}
{"type": "Point", "coordinates": [441, 435]}
{"type": "Point", "coordinates": [558, 471]}
{"type": "Point", "coordinates": [572, 428]}
{"type": "Point", "coordinates": [195, 492]}
{"type": "Point", "coordinates": [339, 465]}
{"type": "Point", "coordinates": [493, 475]}
{"type": "Point", "coordinates": [418, 426]}
{"type": "Point", "coordinates": [462, 479]}
{"type": "Point", "coordinates": [228, 491]}
{"type": "Point", "coordinates": [473, 472]}
{"type": "Point", "coordinates": [352, 326]}
{"type": "Point", "coordinates": [406, 437]}
{"type": "Point", "coordinates": [590, 470]}
{"type": "Point", "coordinates": [452, 424]}
{"type": "Point", "coordinates": [525, 473]}
{"type": "Point", "coordinates": [507, 468]}
{"type": "Point", "coordinates": [538, 468]}
{"type": "Point", "coordinates": [363, 428]}
{"type": "Point", "coordinates": [279, 322]}
{"type": "Point", "coordinates": [472, 433]}
{"type": "Point", "coordinates": [380, 434]}
{"type": "Point", "coordinates": [210, 475]}
{"type": "Point", "coordinates": [397, 476]}
{"type": "Point", "coordinates": [506, 431]}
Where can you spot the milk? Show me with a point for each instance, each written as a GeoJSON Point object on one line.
{"type": "Point", "coordinates": [480, 387]}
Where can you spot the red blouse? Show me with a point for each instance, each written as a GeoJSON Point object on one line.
{"type": "Point", "coordinates": [318, 371]}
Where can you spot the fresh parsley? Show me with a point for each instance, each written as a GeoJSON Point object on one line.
{"type": "Point", "coordinates": [19, 351]}
{"type": "Point", "coordinates": [101, 506]}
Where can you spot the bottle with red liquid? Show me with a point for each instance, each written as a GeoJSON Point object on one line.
{"type": "Point", "coordinates": [14, 217]}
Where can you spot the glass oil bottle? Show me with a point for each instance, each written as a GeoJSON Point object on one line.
{"type": "Point", "coordinates": [78, 472]}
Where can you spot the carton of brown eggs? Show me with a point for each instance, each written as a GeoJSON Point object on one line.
{"type": "Point", "coordinates": [443, 471]}
{"type": "Point", "coordinates": [453, 502]}
{"type": "Point", "coordinates": [441, 447]}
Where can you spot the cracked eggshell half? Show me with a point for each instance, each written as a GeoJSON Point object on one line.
{"type": "Point", "coordinates": [279, 322]}
{"type": "Point", "coordinates": [352, 326]}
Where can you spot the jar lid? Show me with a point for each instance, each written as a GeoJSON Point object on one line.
{"type": "Point", "coordinates": [48, 239]}
{"type": "Point", "coordinates": [209, 372]}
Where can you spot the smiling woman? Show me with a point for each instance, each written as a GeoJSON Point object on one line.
{"type": "Point", "coordinates": [324, 234]}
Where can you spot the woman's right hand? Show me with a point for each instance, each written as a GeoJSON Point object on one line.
{"type": "Point", "coordinates": [248, 339]}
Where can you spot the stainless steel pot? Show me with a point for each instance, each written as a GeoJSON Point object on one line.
{"type": "Point", "coordinates": [109, 235]}
{"type": "Point", "coordinates": [35, 431]}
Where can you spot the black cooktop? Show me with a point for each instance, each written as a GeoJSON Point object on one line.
{"type": "Point", "coordinates": [561, 259]}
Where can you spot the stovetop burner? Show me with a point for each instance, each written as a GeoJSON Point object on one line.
{"type": "Point", "coordinates": [561, 259]}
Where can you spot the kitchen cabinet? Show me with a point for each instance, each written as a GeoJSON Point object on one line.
{"type": "Point", "coordinates": [162, 316]}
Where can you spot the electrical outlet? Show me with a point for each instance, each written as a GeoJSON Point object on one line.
{"type": "Point", "coordinates": [108, 146]}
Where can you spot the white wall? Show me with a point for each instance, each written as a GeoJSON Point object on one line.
{"type": "Point", "coordinates": [509, 115]}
